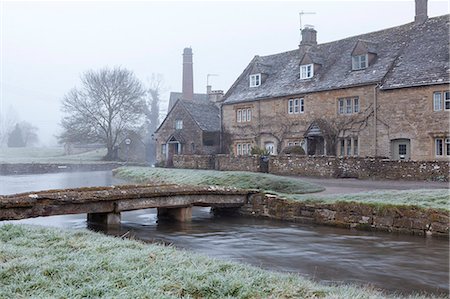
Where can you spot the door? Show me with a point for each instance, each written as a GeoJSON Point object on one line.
{"type": "Point", "coordinates": [401, 149]}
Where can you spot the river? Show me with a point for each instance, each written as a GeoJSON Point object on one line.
{"type": "Point", "coordinates": [399, 263]}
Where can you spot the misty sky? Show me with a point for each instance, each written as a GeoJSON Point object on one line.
{"type": "Point", "coordinates": [45, 46]}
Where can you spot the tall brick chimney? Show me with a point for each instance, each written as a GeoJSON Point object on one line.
{"type": "Point", "coordinates": [188, 75]}
{"type": "Point", "coordinates": [309, 36]}
{"type": "Point", "coordinates": [421, 11]}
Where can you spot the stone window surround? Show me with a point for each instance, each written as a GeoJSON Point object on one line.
{"type": "Point", "coordinates": [255, 80]}
{"type": "Point", "coordinates": [441, 100]}
{"type": "Point", "coordinates": [348, 146]}
{"type": "Point", "coordinates": [306, 71]}
{"type": "Point", "coordinates": [243, 148]}
{"type": "Point", "coordinates": [343, 107]}
{"type": "Point", "coordinates": [360, 62]}
{"type": "Point", "coordinates": [243, 114]}
{"type": "Point", "coordinates": [442, 146]}
{"type": "Point", "coordinates": [296, 106]}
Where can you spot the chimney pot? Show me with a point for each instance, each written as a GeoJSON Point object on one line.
{"type": "Point", "coordinates": [309, 36]}
{"type": "Point", "coordinates": [421, 11]}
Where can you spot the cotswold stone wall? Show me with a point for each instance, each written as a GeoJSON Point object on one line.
{"type": "Point", "coordinates": [362, 168]}
{"type": "Point", "coordinates": [238, 163]}
{"type": "Point", "coordinates": [194, 161]}
{"type": "Point", "coordinates": [351, 215]}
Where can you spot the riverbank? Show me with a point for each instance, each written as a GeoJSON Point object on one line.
{"type": "Point", "coordinates": [44, 262]}
{"type": "Point", "coordinates": [417, 212]}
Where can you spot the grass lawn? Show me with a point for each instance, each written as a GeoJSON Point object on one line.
{"type": "Point", "coordinates": [237, 179]}
{"type": "Point", "coordinates": [48, 155]}
{"type": "Point", "coordinates": [286, 187]}
{"type": "Point", "coordinates": [41, 262]}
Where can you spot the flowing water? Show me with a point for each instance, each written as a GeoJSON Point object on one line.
{"type": "Point", "coordinates": [398, 263]}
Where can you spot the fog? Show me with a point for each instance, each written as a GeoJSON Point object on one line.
{"type": "Point", "coordinates": [46, 46]}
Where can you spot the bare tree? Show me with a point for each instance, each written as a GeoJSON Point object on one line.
{"type": "Point", "coordinates": [8, 120]}
{"type": "Point", "coordinates": [29, 133]}
{"type": "Point", "coordinates": [108, 103]}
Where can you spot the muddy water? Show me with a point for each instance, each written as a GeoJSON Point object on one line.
{"type": "Point", "coordinates": [393, 262]}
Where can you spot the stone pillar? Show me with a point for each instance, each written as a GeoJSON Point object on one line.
{"type": "Point", "coordinates": [104, 218]}
{"type": "Point", "coordinates": [178, 214]}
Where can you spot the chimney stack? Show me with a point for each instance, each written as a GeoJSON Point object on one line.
{"type": "Point", "coordinates": [309, 36]}
{"type": "Point", "coordinates": [188, 75]}
{"type": "Point", "coordinates": [421, 11]}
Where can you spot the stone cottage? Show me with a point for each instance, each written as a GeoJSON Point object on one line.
{"type": "Point", "coordinates": [384, 93]}
{"type": "Point", "coordinates": [192, 125]}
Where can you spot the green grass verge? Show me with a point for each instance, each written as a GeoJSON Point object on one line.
{"type": "Point", "coordinates": [48, 155]}
{"type": "Point", "coordinates": [237, 179]}
{"type": "Point", "coordinates": [38, 262]}
{"type": "Point", "coordinates": [421, 198]}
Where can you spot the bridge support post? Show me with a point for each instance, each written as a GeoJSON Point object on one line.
{"type": "Point", "coordinates": [179, 214]}
{"type": "Point", "coordinates": [104, 218]}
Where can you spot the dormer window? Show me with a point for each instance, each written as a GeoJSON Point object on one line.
{"type": "Point", "coordinates": [255, 80]}
{"type": "Point", "coordinates": [360, 62]}
{"type": "Point", "coordinates": [306, 71]}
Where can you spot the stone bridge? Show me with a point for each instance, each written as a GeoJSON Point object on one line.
{"type": "Point", "coordinates": [104, 204]}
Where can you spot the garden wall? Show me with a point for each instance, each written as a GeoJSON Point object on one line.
{"type": "Point", "coordinates": [329, 167]}
{"type": "Point", "coordinates": [406, 219]}
{"type": "Point", "coordinates": [362, 168]}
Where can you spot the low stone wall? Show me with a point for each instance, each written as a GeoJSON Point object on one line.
{"type": "Point", "coordinates": [40, 168]}
{"type": "Point", "coordinates": [362, 168]}
{"type": "Point", "coordinates": [351, 215]}
{"type": "Point", "coordinates": [194, 161]}
{"type": "Point", "coordinates": [237, 163]}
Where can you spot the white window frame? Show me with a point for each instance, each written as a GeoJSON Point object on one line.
{"type": "Point", "coordinates": [178, 124]}
{"type": "Point", "coordinates": [306, 71]}
{"type": "Point", "coordinates": [356, 105]}
{"type": "Point", "coordinates": [255, 80]}
{"type": "Point", "coordinates": [439, 147]}
{"type": "Point", "coordinates": [348, 105]}
{"type": "Point", "coordinates": [291, 106]}
{"type": "Point", "coordinates": [249, 114]}
{"type": "Point", "coordinates": [341, 108]}
{"type": "Point", "coordinates": [355, 147]}
{"type": "Point", "coordinates": [302, 105]}
{"type": "Point", "coordinates": [446, 96]}
{"type": "Point", "coordinates": [437, 101]}
{"type": "Point", "coordinates": [163, 149]}
{"type": "Point", "coordinates": [239, 115]}
{"type": "Point", "coordinates": [239, 149]}
{"type": "Point", "coordinates": [447, 146]}
{"type": "Point", "coordinates": [296, 106]}
{"type": "Point", "coordinates": [244, 115]}
{"type": "Point", "coordinates": [360, 62]}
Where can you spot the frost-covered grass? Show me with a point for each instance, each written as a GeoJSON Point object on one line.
{"type": "Point", "coordinates": [238, 179]}
{"type": "Point", "coordinates": [38, 262]}
{"type": "Point", "coordinates": [48, 155]}
{"type": "Point", "coordinates": [426, 199]}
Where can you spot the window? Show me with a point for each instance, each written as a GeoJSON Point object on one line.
{"type": "Point", "coordinates": [437, 101]}
{"type": "Point", "coordinates": [192, 147]}
{"type": "Point", "coordinates": [244, 115]}
{"type": "Point", "coordinates": [439, 147]}
{"type": "Point", "coordinates": [349, 147]}
{"type": "Point", "coordinates": [359, 62]}
{"type": "Point", "coordinates": [402, 149]}
{"type": "Point", "coordinates": [179, 124]}
{"type": "Point", "coordinates": [270, 147]}
{"type": "Point", "coordinates": [447, 146]}
{"type": "Point", "coordinates": [342, 147]}
{"type": "Point", "coordinates": [163, 149]}
{"type": "Point", "coordinates": [355, 147]}
{"type": "Point", "coordinates": [294, 143]}
{"type": "Point", "coordinates": [447, 100]}
{"type": "Point", "coordinates": [243, 149]}
{"type": "Point", "coordinates": [255, 80]}
{"type": "Point", "coordinates": [348, 106]}
{"type": "Point", "coordinates": [306, 71]}
{"type": "Point", "coordinates": [296, 106]}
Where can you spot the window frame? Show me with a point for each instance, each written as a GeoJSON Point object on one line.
{"type": "Point", "coordinates": [296, 106]}
{"type": "Point", "coordinates": [178, 124]}
{"type": "Point", "coordinates": [355, 147]}
{"type": "Point", "coordinates": [439, 147]}
{"type": "Point", "coordinates": [437, 101]}
{"type": "Point", "coordinates": [357, 62]}
{"type": "Point", "coordinates": [255, 80]}
{"type": "Point", "coordinates": [306, 71]}
{"type": "Point", "coordinates": [446, 98]}
{"type": "Point", "coordinates": [348, 106]}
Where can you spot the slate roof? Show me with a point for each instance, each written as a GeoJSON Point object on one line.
{"type": "Point", "coordinates": [206, 115]}
{"type": "Point", "coordinates": [175, 96]}
{"type": "Point", "coordinates": [407, 55]}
